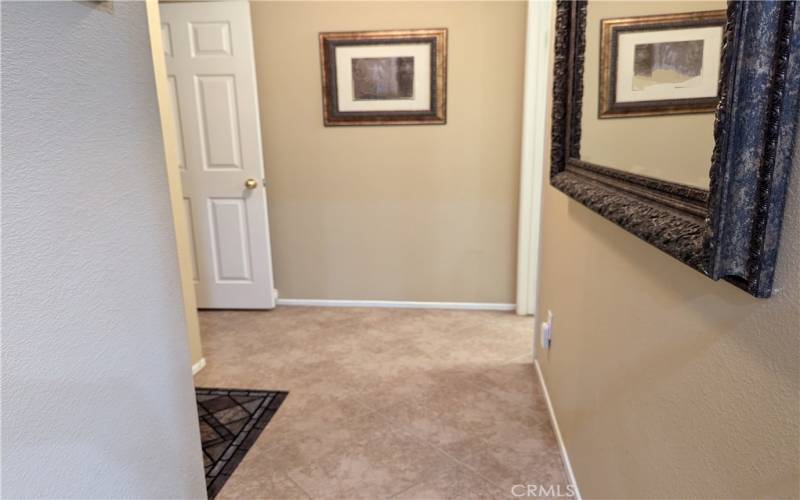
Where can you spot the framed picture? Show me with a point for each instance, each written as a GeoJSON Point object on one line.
{"type": "Point", "coordinates": [384, 77]}
{"type": "Point", "coordinates": [660, 65]}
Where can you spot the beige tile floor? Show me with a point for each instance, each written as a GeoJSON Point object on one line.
{"type": "Point", "coordinates": [386, 403]}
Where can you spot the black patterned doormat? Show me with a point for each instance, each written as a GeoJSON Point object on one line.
{"type": "Point", "coordinates": [230, 422]}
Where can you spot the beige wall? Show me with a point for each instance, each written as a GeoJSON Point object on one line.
{"type": "Point", "coordinates": [667, 384]}
{"type": "Point", "coordinates": [396, 213]}
{"type": "Point", "coordinates": [677, 147]}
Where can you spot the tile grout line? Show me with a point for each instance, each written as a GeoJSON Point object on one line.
{"type": "Point", "coordinates": [287, 476]}
{"type": "Point", "coordinates": [463, 464]}
{"type": "Point", "coordinates": [519, 356]}
{"type": "Point", "coordinates": [448, 455]}
{"type": "Point", "coordinates": [458, 462]}
{"type": "Point", "coordinates": [410, 433]}
{"type": "Point", "coordinates": [424, 442]}
{"type": "Point", "coordinates": [474, 384]}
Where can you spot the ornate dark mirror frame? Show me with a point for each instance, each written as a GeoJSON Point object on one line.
{"type": "Point", "coordinates": [730, 231]}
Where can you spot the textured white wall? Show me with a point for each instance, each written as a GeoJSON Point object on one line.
{"type": "Point", "coordinates": [97, 396]}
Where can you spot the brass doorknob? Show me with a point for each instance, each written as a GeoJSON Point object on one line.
{"type": "Point", "coordinates": [251, 183]}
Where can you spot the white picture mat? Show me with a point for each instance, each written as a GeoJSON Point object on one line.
{"type": "Point", "coordinates": [712, 43]}
{"type": "Point", "coordinates": [421, 52]}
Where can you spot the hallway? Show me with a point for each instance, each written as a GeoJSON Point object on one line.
{"type": "Point", "coordinates": [386, 403]}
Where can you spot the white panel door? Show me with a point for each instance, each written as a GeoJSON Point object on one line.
{"type": "Point", "coordinates": [208, 47]}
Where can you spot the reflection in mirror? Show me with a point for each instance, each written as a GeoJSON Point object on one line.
{"type": "Point", "coordinates": [650, 87]}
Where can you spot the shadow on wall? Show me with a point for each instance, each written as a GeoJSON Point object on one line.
{"type": "Point", "coordinates": [718, 302]}
{"type": "Point", "coordinates": [681, 384]}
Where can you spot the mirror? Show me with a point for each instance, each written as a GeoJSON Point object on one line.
{"type": "Point", "coordinates": [676, 121]}
{"type": "Point", "coordinates": [662, 52]}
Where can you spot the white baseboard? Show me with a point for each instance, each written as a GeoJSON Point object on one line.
{"type": "Point", "coordinates": [564, 455]}
{"type": "Point", "coordinates": [398, 304]}
{"type": "Point", "coordinates": [198, 366]}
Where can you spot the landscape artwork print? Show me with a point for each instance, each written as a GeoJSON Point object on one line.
{"type": "Point", "coordinates": [672, 64]}
{"type": "Point", "coordinates": [383, 78]}
{"type": "Point", "coordinates": [660, 64]}
{"type": "Point", "coordinates": [387, 78]}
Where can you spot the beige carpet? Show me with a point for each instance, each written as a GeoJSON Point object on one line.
{"type": "Point", "coordinates": [386, 403]}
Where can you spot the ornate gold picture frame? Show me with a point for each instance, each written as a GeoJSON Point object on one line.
{"type": "Point", "coordinates": [394, 77]}
{"type": "Point", "coordinates": [660, 65]}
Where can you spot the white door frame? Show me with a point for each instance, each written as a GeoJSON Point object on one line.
{"type": "Point", "coordinates": [175, 189]}
{"type": "Point", "coordinates": [534, 123]}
